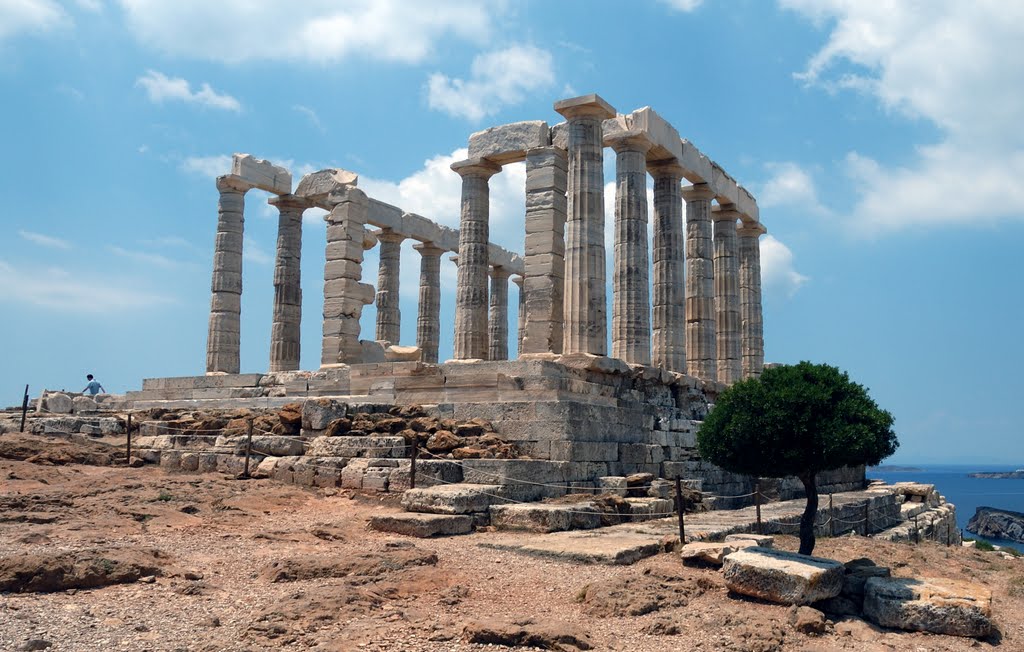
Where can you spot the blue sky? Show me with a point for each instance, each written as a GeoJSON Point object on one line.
{"type": "Point", "coordinates": [882, 141]}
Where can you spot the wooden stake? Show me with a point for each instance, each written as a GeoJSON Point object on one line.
{"type": "Point", "coordinates": [24, 409]}
{"type": "Point", "coordinates": [128, 447]}
{"type": "Point", "coordinates": [679, 510]}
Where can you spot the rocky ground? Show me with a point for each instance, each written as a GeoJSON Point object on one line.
{"type": "Point", "coordinates": [99, 557]}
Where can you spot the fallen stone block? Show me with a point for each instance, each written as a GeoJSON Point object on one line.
{"type": "Point", "coordinates": [540, 517]}
{"type": "Point", "coordinates": [711, 553]}
{"type": "Point", "coordinates": [940, 606]}
{"type": "Point", "coordinates": [451, 498]}
{"type": "Point", "coordinates": [422, 525]}
{"type": "Point", "coordinates": [782, 577]}
{"type": "Point", "coordinates": [762, 540]}
{"type": "Point", "coordinates": [262, 174]}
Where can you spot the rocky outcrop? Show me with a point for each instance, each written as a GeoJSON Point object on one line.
{"type": "Point", "coordinates": [1010, 475]}
{"type": "Point", "coordinates": [997, 524]}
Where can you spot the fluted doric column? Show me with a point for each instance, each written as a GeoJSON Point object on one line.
{"type": "Point", "coordinates": [474, 234]}
{"type": "Point", "coordinates": [223, 337]}
{"type": "Point", "coordinates": [389, 315]}
{"type": "Point", "coordinates": [428, 319]}
{"type": "Point", "coordinates": [751, 320]}
{"type": "Point", "coordinates": [668, 341]}
{"type": "Point", "coordinates": [521, 331]}
{"type": "Point", "coordinates": [727, 293]}
{"type": "Point", "coordinates": [631, 307]}
{"type": "Point", "coordinates": [497, 323]}
{"type": "Point", "coordinates": [344, 294]}
{"type": "Point", "coordinates": [285, 333]}
{"type": "Point", "coordinates": [544, 255]}
{"type": "Point", "coordinates": [585, 307]}
{"type": "Point", "coordinates": [701, 349]}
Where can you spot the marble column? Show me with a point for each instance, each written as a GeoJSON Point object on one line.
{"type": "Point", "coordinates": [668, 342]}
{"type": "Point", "coordinates": [344, 294]}
{"type": "Point", "coordinates": [497, 322]}
{"type": "Point", "coordinates": [751, 320]}
{"type": "Point", "coordinates": [287, 327]}
{"type": "Point", "coordinates": [389, 315]}
{"type": "Point", "coordinates": [223, 338]}
{"type": "Point", "coordinates": [544, 254]}
{"type": "Point", "coordinates": [727, 293]}
{"type": "Point", "coordinates": [631, 301]}
{"type": "Point", "coordinates": [701, 349]}
{"type": "Point", "coordinates": [521, 331]}
{"type": "Point", "coordinates": [428, 319]}
{"type": "Point", "coordinates": [474, 234]}
{"type": "Point", "coordinates": [585, 295]}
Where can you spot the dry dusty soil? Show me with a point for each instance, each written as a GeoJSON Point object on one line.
{"type": "Point", "coordinates": [205, 562]}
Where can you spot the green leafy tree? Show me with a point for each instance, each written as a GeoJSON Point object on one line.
{"type": "Point", "coordinates": [796, 420]}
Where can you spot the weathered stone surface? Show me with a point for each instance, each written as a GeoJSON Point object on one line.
{"type": "Point", "coordinates": [761, 540]}
{"type": "Point", "coordinates": [701, 345]}
{"type": "Point", "coordinates": [941, 606]}
{"type": "Point", "coordinates": [541, 634]}
{"type": "Point", "coordinates": [542, 517]}
{"type": "Point", "coordinates": [368, 446]}
{"type": "Point", "coordinates": [711, 553]}
{"type": "Point", "coordinates": [84, 405]}
{"type": "Point", "coordinates": [510, 142]}
{"type": "Point", "coordinates": [727, 293]}
{"type": "Point", "coordinates": [782, 577]}
{"type": "Point", "coordinates": [668, 310]}
{"type": "Point", "coordinates": [395, 353]}
{"type": "Point", "coordinates": [422, 525]}
{"type": "Point", "coordinates": [428, 318]}
{"type": "Point", "coordinates": [261, 174]}
{"type": "Point", "coordinates": [317, 413]}
{"type": "Point", "coordinates": [317, 186]}
{"type": "Point", "coordinates": [451, 498]}
{"type": "Point", "coordinates": [59, 403]}
{"type": "Point", "coordinates": [808, 621]}
{"type": "Point", "coordinates": [997, 523]}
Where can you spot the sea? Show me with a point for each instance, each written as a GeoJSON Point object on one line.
{"type": "Point", "coordinates": [966, 493]}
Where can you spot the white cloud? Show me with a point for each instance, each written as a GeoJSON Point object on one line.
{"type": "Point", "coordinates": [62, 291]}
{"type": "Point", "coordinates": [311, 115]}
{"type": "Point", "coordinates": [790, 185]}
{"type": "Point", "coordinates": [321, 31]}
{"type": "Point", "coordinates": [683, 5]}
{"type": "Point", "coordinates": [160, 88]}
{"type": "Point", "coordinates": [497, 79]}
{"type": "Point", "coordinates": [778, 271]}
{"type": "Point", "coordinates": [946, 62]}
{"type": "Point", "coordinates": [253, 252]}
{"type": "Point", "coordinates": [207, 166]}
{"type": "Point", "coordinates": [148, 258]}
{"type": "Point", "coordinates": [94, 6]}
{"type": "Point", "coordinates": [45, 240]}
{"type": "Point", "coordinates": [30, 16]}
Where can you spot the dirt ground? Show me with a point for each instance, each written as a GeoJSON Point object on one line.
{"type": "Point", "coordinates": [212, 563]}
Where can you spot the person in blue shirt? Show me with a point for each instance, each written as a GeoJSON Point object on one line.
{"type": "Point", "coordinates": [94, 387]}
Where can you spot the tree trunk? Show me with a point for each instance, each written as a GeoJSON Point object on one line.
{"type": "Point", "coordinates": [810, 512]}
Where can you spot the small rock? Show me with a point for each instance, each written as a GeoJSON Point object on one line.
{"type": "Point", "coordinates": [808, 621]}
{"type": "Point", "coordinates": [136, 462]}
{"type": "Point", "coordinates": [443, 441]}
{"type": "Point", "coordinates": [35, 644]}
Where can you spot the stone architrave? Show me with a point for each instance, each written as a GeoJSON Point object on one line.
{"type": "Point", "coordinates": [585, 296]}
{"type": "Point", "coordinates": [521, 331]}
{"type": "Point", "coordinates": [668, 338]}
{"type": "Point", "coordinates": [497, 323]}
{"type": "Point", "coordinates": [389, 316]}
{"type": "Point", "coordinates": [223, 338]}
{"type": "Point", "coordinates": [474, 233]}
{"type": "Point", "coordinates": [344, 294]}
{"type": "Point", "coordinates": [701, 347]}
{"type": "Point", "coordinates": [544, 256]}
{"type": "Point", "coordinates": [286, 329]}
{"type": "Point", "coordinates": [428, 320]}
{"type": "Point", "coordinates": [751, 319]}
{"type": "Point", "coordinates": [631, 307]}
{"type": "Point", "coordinates": [727, 293]}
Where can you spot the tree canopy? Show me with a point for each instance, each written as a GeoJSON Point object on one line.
{"type": "Point", "coordinates": [796, 420]}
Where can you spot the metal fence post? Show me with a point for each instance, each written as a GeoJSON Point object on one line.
{"type": "Point", "coordinates": [831, 518]}
{"type": "Point", "coordinates": [680, 510]}
{"type": "Point", "coordinates": [412, 467]}
{"type": "Point", "coordinates": [128, 446]}
{"type": "Point", "coordinates": [757, 505]}
{"type": "Point", "coordinates": [24, 409]}
{"type": "Point", "coordinates": [248, 449]}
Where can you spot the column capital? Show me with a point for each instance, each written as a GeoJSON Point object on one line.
{"type": "Point", "coordinates": [698, 191]}
{"type": "Point", "coordinates": [499, 272]}
{"type": "Point", "coordinates": [390, 236]}
{"type": "Point", "coordinates": [725, 212]}
{"type": "Point", "coordinates": [630, 141]}
{"type": "Point", "coordinates": [518, 280]}
{"type": "Point", "coordinates": [476, 167]}
{"type": "Point", "coordinates": [233, 183]}
{"type": "Point", "coordinates": [585, 106]}
{"type": "Point", "coordinates": [427, 249]}
{"type": "Point", "coordinates": [289, 202]}
{"type": "Point", "coordinates": [751, 229]}
{"type": "Point", "coordinates": [454, 258]}
{"type": "Point", "coordinates": [666, 168]}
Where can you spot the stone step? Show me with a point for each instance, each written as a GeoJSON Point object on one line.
{"type": "Point", "coordinates": [543, 517]}
{"type": "Point", "coordinates": [457, 498]}
{"type": "Point", "coordinates": [422, 525]}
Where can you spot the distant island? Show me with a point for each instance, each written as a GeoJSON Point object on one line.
{"type": "Point", "coordinates": [1005, 475]}
{"type": "Point", "coordinates": [893, 468]}
{"type": "Point", "coordinates": [997, 524]}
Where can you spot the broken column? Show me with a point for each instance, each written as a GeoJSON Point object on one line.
{"type": "Point", "coordinates": [727, 293]}
{"type": "Point", "coordinates": [389, 316]}
{"type": "Point", "coordinates": [668, 339]}
{"type": "Point", "coordinates": [474, 233]}
{"type": "Point", "coordinates": [497, 324]}
{"type": "Point", "coordinates": [544, 257]}
{"type": "Point", "coordinates": [585, 303]}
{"type": "Point", "coordinates": [223, 338]}
{"type": "Point", "coordinates": [751, 320]}
{"type": "Point", "coordinates": [286, 329]}
{"type": "Point", "coordinates": [428, 320]}
{"type": "Point", "coordinates": [631, 311]}
{"type": "Point", "coordinates": [701, 348]}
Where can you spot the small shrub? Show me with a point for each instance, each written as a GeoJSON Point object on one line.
{"type": "Point", "coordinates": [164, 496]}
{"type": "Point", "coordinates": [1016, 587]}
{"type": "Point", "coordinates": [981, 544]}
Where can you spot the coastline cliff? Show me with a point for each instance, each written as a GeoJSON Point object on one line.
{"type": "Point", "coordinates": [997, 524]}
